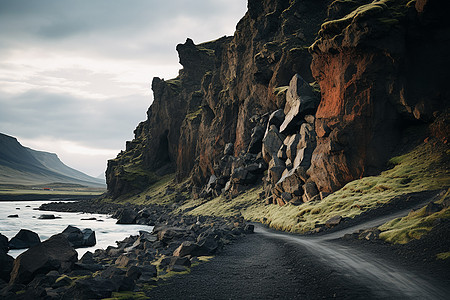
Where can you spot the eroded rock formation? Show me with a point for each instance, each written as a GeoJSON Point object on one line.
{"type": "Point", "coordinates": [306, 96]}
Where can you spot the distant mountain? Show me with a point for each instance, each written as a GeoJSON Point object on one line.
{"type": "Point", "coordinates": [102, 176]}
{"type": "Point", "coordinates": [22, 165]}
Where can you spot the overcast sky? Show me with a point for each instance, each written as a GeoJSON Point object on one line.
{"type": "Point", "coordinates": [75, 75]}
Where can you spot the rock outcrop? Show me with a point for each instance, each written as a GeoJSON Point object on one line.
{"type": "Point", "coordinates": [222, 85]}
{"type": "Point", "coordinates": [380, 66]}
{"type": "Point", "coordinates": [305, 97]}
{"type": "Point", "coordinates": [52, 254]}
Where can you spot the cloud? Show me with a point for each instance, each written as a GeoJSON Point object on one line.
{"type": "Point", "coordinates": [75, 75]}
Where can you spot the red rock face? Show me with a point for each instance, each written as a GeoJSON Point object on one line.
{"type": "Point", "coordinates": [373, 79]}
{"type": "Point", "coordinates": [355, 120]}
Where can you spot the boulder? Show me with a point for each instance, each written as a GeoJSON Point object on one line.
{"type": "Point", "coordinates": [79, 238]}
{"type": "Point", "coordinates": [291, 146]}
{"type": "Point", "coordinates": [24, 239]}
{"type": "Point", "coordinates": [125, 260]}
{"type": "Point", "coordinates": [166, 234]}
{"type": "Point", "coordinates": [89, 239]}
{"type": "Point", "coordinates": [6, 265]}
{"type": "Point", "coordinates": [300, 101]}
{"type": "Point", "coordinates": [249, 228]}
{"type": "Point", "coordinates": [127, 216]}
{"type": "Point", "coordinates": [47, 217]}
{"type": "Point", "coordinates": [305, 146]}
{"type": "Point", "coordinates": [144, 237]}
{"type": "Point", "coordinates": [92, 288]}
{"type": "Point", "coordinates": [186, 248]}
{"type": "Point", "coordinates": [310, 190]}
{"type": "Point", "coordinates": [243, 176]}
{"type": "Point", "coordinates": [207, 245]}
{"type": "Point", "coordinates": [87, 258]}
{"type": "Point", "coordinates": [13, 216]}
{"type": "Point", "coordinates": [276, 118]}
{"type": "Point", "coordinates": [271, 143]}
{"type": "Point", "coordinates": [3, 243]}
{"type": "Point", "coordinates": [52, 254]}
{"type": "Point", "coordinates": [256, 139]}
{"type": "Point", "coordinates": [370, 234]}
{"type": "Point", "coordinates": [333, 221]}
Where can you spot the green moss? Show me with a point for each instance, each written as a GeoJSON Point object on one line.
{"type": "Point", "coordinates": [413, 226]}
{"type": "Point", "coordinates": [175, 84]}
{"type": "Point", "coordinates": [422, 169]}
{"type": "Point", "coordinates": [61, 278]}
{"type": "Point", "coordinates": [156, 192]}
{"type": "Point", "coordinates": [443, 255]}
{"type": "Point", "coordinates": [280, 90]}
{"type": "Point", "coordinates": [194, 115]}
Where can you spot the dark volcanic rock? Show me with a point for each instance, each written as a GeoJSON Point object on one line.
{"type": "Point", "coordinates": [3, 243]}
{"type": "Point", "coordinates": [127, 216]}
{"type": "Point", "coordinates": [47, 217]}
{"type": "Point", "coordinates": [79, 238]}
{"type": "Point", "coordinates": [222, 85]}
{"type": "Point", "coordinates": [24, 239]}
{"type": "Point", "coordinates": [52, 254]}
{"type": "Point", "coordinates": [6, 265]}
{"type": "Point", "coordinates": [374, 75]}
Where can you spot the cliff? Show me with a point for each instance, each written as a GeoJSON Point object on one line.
{"type": "Point", "coordinates": [306, 96]}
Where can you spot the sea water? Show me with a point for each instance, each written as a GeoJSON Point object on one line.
{"type": "Point", "coordinates": [106, 230]}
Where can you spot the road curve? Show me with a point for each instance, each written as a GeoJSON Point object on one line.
{"type": "Point", "coordinates": [383, 278]}
{"type": "Point", "coordinates": [277, 265]}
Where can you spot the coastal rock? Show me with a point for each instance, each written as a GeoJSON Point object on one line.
{"type": "Point", "coordinates": [6, 266]}
{"type": "Point", "coordinates": [3, 243]}
{"type": "Point", "coordinates": [52, 254]}
{"type": "Point", "coordinates": [79, 238]}
{"type": "Point", "coordinates": [166, 234]}
{"type": "Point", "coordinates": [186, 248]}
{"type": "Point", "coordinates": [24, 239]}
{"type": "Point", "coordinates": [47, 217]}
{"type": "Point", "coordinates": [127, 216]}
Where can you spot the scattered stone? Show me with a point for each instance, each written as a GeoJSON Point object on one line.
{"type": "Point", "coordinates": [52, 254]}
{"type": "Point", "coordinates": [47, 217]}
{"type": "Point", "coordinates": [79, 238]}
{"type": "Point", "coordinates": [127, 216]}
{"type": "Point", "coordinates": [6, 266]}
{"type": "Point", "coordinates": [370, 234]}
{"type": "Point", "coordinates": [24, 239]}
{"type": "Point", "coordinates": [3, 243]}
{"type": "Point", "coordinates": [13, 216]}
{"type": "Point", "coordinates": [249, 228]}
{"type": "Point", "coordinates": [333, 221]}
{"type": "Point", "coordinates": [186, 248]}
{"type": "Point", "coordinates": [89, 219]}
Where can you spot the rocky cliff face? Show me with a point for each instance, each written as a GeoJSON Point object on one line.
{"type": "Point", "coordinates": [246, 108]}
